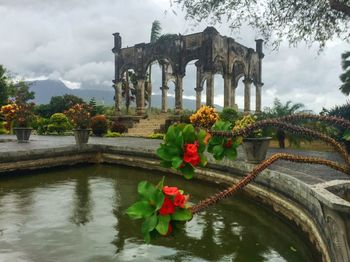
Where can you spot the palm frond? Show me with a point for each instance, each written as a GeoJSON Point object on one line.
{"type": "Point", "coordinates": [155, 31]}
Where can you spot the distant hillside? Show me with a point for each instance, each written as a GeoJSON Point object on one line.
{"type": "Point", "coordinates": [45, 89]}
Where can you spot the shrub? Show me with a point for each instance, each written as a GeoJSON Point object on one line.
{"type": "Point", "coordinates": [118, 127]}
{"type": "Point", "coordinates": [229, 114]}
{"type": "Point", "coordinates": [113, 134]}
{"type": "Point", "coordinates": [58, 123]}
{"type": "Point", "coordinates": [41, 124]}
{"type": "Point", "coordinates": [156, 136]}
{"type": "Point", "coordinates": [99, 125]}
{"type": "Point", "coordinates": [344, 112]}
{"type": "Point", "coordinates": [2, 128]}
{"type": "Point", "coordinates": [205, 117]}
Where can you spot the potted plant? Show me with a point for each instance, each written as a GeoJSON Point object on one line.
{"type": "Point", "coordinates": [22, 121]}
{"type": "Point", "coordinates": [80, 115]}
{"type": "Point", "coordinates": [255, 146]}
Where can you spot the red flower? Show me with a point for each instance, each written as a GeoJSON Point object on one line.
{"type": "Point", "coordinates": [191, 154]}
{"type": "Point", "coordinates": [228, 144]}
{"type": "Point", "coordinates": [167, 208]}
{"type": "Point", "coordinates": [170, 191]}
{"type": "Point", "coordinates": [180, 200]}
{"type": "Point", "coordinates": [170, 229]}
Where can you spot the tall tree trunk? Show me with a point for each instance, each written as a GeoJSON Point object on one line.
{"type": "Point", "coordinates": [149, 88]}
{"type": "Point", "coordinates": [127, 93]}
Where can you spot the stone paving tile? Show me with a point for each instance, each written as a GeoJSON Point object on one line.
{"type": "Point", "coordinates": [310, 174]}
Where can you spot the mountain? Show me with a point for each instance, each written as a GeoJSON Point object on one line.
{"type": "Point", "coordinates": [45, 89]}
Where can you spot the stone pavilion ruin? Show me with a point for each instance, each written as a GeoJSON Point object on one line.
{"type": "Point", "coordinates": [214, 54]}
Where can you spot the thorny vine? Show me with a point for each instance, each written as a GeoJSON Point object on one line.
{"type": "Point", "coordinates": [281, 123]}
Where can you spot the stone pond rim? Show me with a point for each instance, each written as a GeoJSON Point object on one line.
{"type": "Point", "coordinates": [319, 216]}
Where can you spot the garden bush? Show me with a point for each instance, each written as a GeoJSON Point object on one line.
{"type": "Point", "coordinates": [113, 134]}
{"type": "Point", "coordinates": [99, 125]}
{"type": "Point", "coordinates": [156, 136]}
{"type": "Point", "coordinates": [229, 114]}
{"type": "Point", "coordinates": [118, 127]}
{"type": "Point", "coordinates": [344, 112]}
{"type": "Point", "coordinates": [40, 125]}
{"type": "Point", "coordinates": [2, 128]}
{"type": "Point", "coordinates": [58, 123]}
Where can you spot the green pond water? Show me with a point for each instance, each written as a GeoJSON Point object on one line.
{"type": "Point", "coordinates": [76, 214]}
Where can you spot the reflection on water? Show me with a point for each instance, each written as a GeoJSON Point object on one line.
{"type": "Point", "coordinates": [76, 214]}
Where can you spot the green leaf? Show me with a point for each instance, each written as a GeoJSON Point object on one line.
{"type": "Point", "coordinates": [163, 224]}
{"type": "Point", "coordinates": [140, 209]}
{"type": "Point", "coordinates": [231, 153]}
{"type": "Point", "coordinates": [149, 224]}
{"type": "Point", "coordinates": [158, 199]}
{"type": "Point", "coordinates": [170, 135]}
{"type": "Point", "coordinates": [187, 171]}
{"type": "Point", "coordinates": [201, 135]}
{"type": "Point", "coordinates": [189, 134]}
{"type": "Point", "coordinates": [146, 189]}
{"type": "Point", "coordinates": [182, 215]}
{"type": "Point", "coordinates": [180, 140]}
{"type": "Point", "coordinates": [204, 160]}
{"type": "Point", "coordinates": [166, 164]}
{"type": "Point", "coordinates": [176, 162]}
{"type": "Point", "coordinates": [162, 153]}
{"type": "Point", "coordinates": [347, 135]}
{"type": "Point", "coordinates": [218, 150]}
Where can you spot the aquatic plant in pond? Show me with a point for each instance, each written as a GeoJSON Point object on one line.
{"type": "Point", "coordinates": [184, 146]}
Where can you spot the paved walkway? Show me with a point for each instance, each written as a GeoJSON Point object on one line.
{"type": "Point", "coordinates": [310, 174]}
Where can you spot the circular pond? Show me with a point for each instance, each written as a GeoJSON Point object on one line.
{"type": "Point", "coordinates": [77, 214]}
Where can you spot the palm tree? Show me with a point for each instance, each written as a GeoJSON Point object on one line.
{"type": "Point", "coordinates": [345, 77]}
{"type": "Point", "coordinates": [155, 34]}
{"type": "Point", "coordinates": [279, 110]}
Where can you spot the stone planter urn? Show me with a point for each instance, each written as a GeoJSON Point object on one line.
{"type": "Point", "coordinates": [255, 149]}
{"type": "Point", "coordinates": [81, 136]}
{"type": "Point", "coordinates": [22, 134]}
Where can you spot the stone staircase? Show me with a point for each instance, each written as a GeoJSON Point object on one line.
{"type": "Point", "coordinates": [148, 126]}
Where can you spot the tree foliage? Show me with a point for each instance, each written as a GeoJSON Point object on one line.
{"type": "Point", "coordinates": [310, 21]}
{"type": "Point", "coordinates": [278, 110]}
{"type": "Point", "coordinates": [6, 86]}
{"type": "Point", "coordinates": [345, 77]}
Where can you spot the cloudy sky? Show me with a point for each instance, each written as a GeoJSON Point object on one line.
{"type": "Point", "coordinates": [71, 40]}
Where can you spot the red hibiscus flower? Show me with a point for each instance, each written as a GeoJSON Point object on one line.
{"type": "Point", "coordinates": [170, 229]}
{"type": "Point", "coordinates": [167, 208]}
{"type": "Point", "coordinates": [228, 144]}
{"type": "Point", "coordinates": [191, 154]}
{"type": "Point", "coordinates": [180, 200]}
{"type": "Point", "coordinates": [170, 191]}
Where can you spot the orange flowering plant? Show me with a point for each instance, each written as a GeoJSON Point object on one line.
{"type": "Point", "coordinates": [205, 117]}
{"type": "Point", "coordinates": [17, 114]}
{"type": "Point", "coordinates": [9, 113]}
{"type": "Point", "coordinates": [79, 115]}
{"type": "Point", "coordinates": [163, 208]}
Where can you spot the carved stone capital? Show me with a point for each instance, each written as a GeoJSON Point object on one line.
{"type": "Point", "coordinates": [247, 81]}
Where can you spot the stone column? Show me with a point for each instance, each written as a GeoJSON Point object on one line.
{"type": "Point", "coordinates": [140, 97]}
{"type": "Point", "coordinates": [164, 98]}
{"type": "Point", "coordinates": [198, 97]}
{"type": "Point", "coordinates": [227, 93]}
{"type": "Point", "coordinates": [118, 97]}
{"type": "Point", "coordinates": [199, 87]}
{"type": "Point", "coordinates": [247, 85]}
{"type": "Point", "coordinates": [178, 94]}
{"type": "Point", "coordinates": [210, 90]}
{"type": "Point", "coordinates": [233, 93]}
{"type": "Point", "coordinates": [258, 87]}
